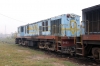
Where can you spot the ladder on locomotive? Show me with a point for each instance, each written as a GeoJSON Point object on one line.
{"type": "Point", "coordinates": [79, 42]}
{"type": "Point", "coordinates": [79, 46]}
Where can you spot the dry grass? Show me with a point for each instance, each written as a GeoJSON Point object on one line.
{"type": "Point", "coordinates": [15, 55]}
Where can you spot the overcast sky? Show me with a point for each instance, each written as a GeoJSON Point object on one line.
{"type": "Point", "coordinates": [14, 13]}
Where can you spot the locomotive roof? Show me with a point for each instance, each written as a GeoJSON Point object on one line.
{"type": "Point", "coordinates": [91, 8]}
{"type": "Point", "coordinates": [46, 19]}
{"type": "Point", "coordinates": [51, 17]}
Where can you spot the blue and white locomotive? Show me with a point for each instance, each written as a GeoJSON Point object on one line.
{"type": "Point", "coordinates": [56, 33]}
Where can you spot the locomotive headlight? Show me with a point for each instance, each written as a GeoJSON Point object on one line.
{"type": "Point", "coordinates": [72, 15]}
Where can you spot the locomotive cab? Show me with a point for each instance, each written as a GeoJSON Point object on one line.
{"type": "Point", "coordinates": [21, 31]}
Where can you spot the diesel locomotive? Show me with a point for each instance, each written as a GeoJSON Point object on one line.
{"type": "Point", "coordinates": [65, 33]}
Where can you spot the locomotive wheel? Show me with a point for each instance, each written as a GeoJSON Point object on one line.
{"type": "Point", "coordinates": [26, 43]}
{"type": "Point", "coordinates": [52, 48]}
{"type": "Point", "coordinates": [96, 54]}
{"type": "Point", "coordinates": [45, 45]}
{"type": "Point", "coordinates": [23, 42]}
{"type": "Point", "coordinates": [41, 46]}
{"type": "Point", "coordinates": [20, 43]}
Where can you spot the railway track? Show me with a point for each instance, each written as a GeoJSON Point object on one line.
{"type": "Point", "coordinates": [82, 61]}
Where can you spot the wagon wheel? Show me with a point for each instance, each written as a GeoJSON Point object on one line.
{"type": "Point", "coordinates": [96, 54]}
